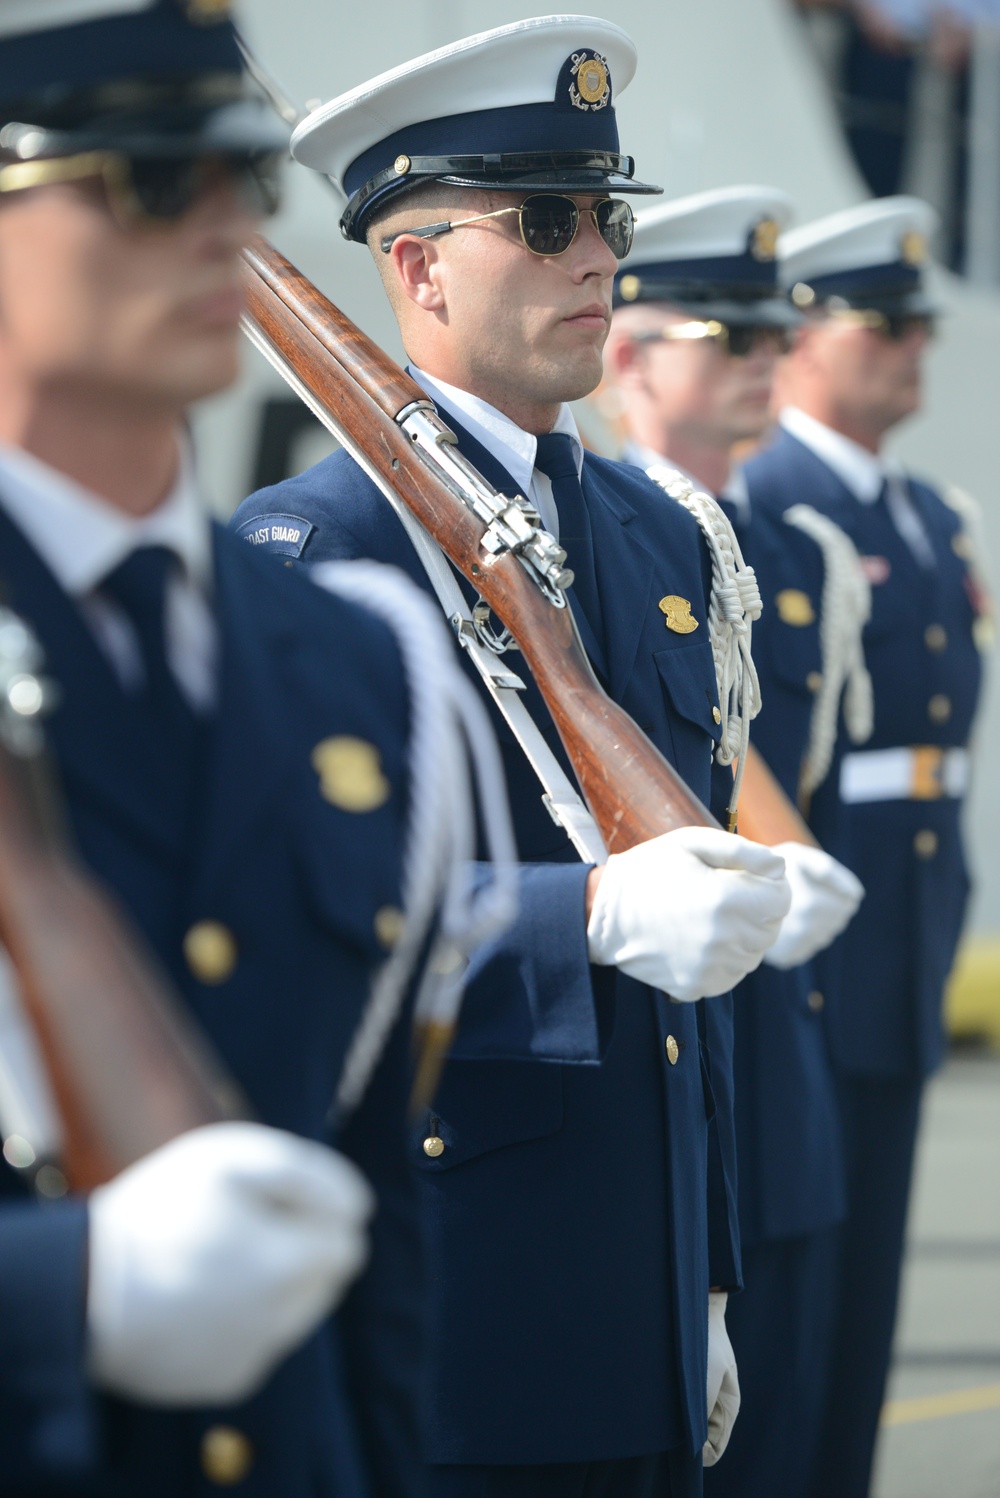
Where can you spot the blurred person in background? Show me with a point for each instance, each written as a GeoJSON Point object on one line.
{"type": "Point", "coordinates": [232, 742]}
{"type": "Point", "coordinates": [892, 813]}
{"type": "Point", "coordinates": [699, 325]}
{"type": "Point", "coordinates": [900, 75]}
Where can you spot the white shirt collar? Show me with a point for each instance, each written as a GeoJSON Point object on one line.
{"type": "Point", "coordinates": [82, 537]}
{"type": "Point", "coordinates": [511, 446]}
{"type": "Point", "coordinates": [862, 472]}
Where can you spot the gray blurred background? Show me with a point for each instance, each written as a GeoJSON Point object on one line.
{"type": "Point", "coordinates": [827, 101]}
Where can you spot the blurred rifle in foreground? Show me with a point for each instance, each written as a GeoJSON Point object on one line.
{"type": "Point", "coordinates": [125, 1067]}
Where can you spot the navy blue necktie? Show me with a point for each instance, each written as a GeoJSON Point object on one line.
{"type": "Point", "coordinates": [556, 457]}
{"type": "Point", "coordinates": [139, 586]}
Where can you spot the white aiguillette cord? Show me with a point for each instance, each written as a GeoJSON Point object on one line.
{"type": "Point", "coordinates": [735, 604]}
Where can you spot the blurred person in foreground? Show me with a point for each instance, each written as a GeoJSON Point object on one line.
{"type": "Point", "coordinates": [699, 325]}
{"type": "Point", "coordinates": [232, 742]}
{"type": "Point", "coordinates": [582, 1217]}
{"type": "Point", "coordinates": [892, 813]}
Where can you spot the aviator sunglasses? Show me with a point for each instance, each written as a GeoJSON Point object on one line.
{"type": "Point", "coordinates": [160, 188]}
{"type": "Point", "coordinates": [895, 326]}
{"type": "Point", "coordinates": [548, 222]}
{"type": "Point", "coordinates": [739, 339]}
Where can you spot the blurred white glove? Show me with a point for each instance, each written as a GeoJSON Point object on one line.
{"type": "Point", "coordinates": [723, 1383]}
{"type": "Point", "coordinates": [825, 896]}
{"type": "Point", "coordinates": [690, 912]}
{"type": "Point", "coordinates": [215, 1256]}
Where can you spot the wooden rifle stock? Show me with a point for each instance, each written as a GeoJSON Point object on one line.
{"type": "Point", "coordinates": [766, 813]}
{"type": "Point", "coordinates": [126, 1068]}
{"type": "Point", "coordinates": [632, 792]}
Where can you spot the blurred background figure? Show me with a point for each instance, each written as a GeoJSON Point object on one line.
{"type": "Point", "coordinates": [917, 87]}
{"type": "Point", "coordinates": [699, 326]}
{"type": "Point", "coordinates": [893, 811]}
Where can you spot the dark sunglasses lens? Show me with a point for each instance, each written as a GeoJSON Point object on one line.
{"type": "Point", "coordinates": [900, 328]}
{"type": "Point", "coordinates": [167, 187]}
{"type": "Point", "coordinates": [746, 337]}
{"type": "Point", "coordinates": [616, 223]}
{"type": "Point", "coordinates": [549, 223]}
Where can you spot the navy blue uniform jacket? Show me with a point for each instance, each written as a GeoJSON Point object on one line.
{"type": "Point", "coordinates": [297, 881]}
{"type": "Point", "coordinates": [788, 1137]}
{"type": "Point", "coordinates": [578, 1213]}
{"type": "Point", "coordinates": [884, 977]}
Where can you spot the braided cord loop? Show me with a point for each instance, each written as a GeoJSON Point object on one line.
{"type": "Point", "coordinates": [735, 604]}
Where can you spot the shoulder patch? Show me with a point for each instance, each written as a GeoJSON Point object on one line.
{"type": "Point", "coordinates": [285, 535]}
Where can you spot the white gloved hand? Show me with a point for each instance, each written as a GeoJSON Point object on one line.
{"type": "Point", "coordinates": [690, 912]}
{"type": "Point", "coordinates": [723, 1383]}
{"type": "Point", "coordinates": [213, 1257]}
{"type": "Point", "coordinates": [825, 896]}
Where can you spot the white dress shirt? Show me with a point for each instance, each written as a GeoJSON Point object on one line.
{"type": "Point", "coordinates": [82, 538]}
{"type": "Point", "coordinates": [511, 446]}
{"type": "Point", "coordinates": [864, 474]}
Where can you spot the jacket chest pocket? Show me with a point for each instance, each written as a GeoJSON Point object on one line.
{"type": "Point", "coordinates": [791, 655]}
{"type": "Point", "coordinates": [687, 677]}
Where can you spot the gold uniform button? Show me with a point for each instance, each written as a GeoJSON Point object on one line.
{"type": "Point", "coordinates": [350, 773]}
{"type": "Point", "coordinates": [226, 1455]}
{"type": "Point", "coordinates": [434, 1146]}
{"type": "Point", "coordinates": [716, 715]}
{"type": "Point", "coordinates": [210, 951]}
{"type": "Point", "coordinates": [673, 1050]}
{"type": "Point", "coordinates": [814, 681]}
{"type": "Point", "coordinates": [936, 638]}
{"type": "Point", "coordinates": [795, 607]}
{"type": "Point", "coordinates": [925, 844]}
{"type": "Point", "coordinates": [389, 922]}
{"type": "Point", "coordinates": [815, 1001]}
{"type": "Point", "coordinates": [939, 708]}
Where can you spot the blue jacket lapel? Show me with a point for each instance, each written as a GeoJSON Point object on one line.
{"type": "Point", "coordinates": [244, 772]}
{"type": "Point", "coordinates": [625, 570]}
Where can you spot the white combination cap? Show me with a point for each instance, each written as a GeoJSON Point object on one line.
{"type": "Point", "coordinates": [872, 256]}
{"type": "Point", "coordinates": [710, 249]}
{"type": "Point", "coordinates": [526, 106]}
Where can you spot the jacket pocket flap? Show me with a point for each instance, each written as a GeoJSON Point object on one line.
{"type": "Point", "coordinates": [487, 1105]}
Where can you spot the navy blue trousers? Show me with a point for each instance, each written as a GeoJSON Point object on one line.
{"type": "Point", "coordinates": [880, 1117]}
{"type": "Point", "coordinates": [781, 1331]}
{"type": "Point", "coordinates": [668, 1474]}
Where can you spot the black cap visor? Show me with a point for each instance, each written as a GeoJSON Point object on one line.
{"type": "Point", "coordinates": [149, 122]}
{"type": "Point", "coordinates": [573, 172]}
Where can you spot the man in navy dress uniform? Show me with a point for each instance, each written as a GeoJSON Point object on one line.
{"type": "Point", "coordinates": [699, 325]}
{"type": "Point", "coordinates": [232, 743]}
{"type": "Point", "coordinates": [892, 810]}
{"type": "Point", "coordinates": [579, 1215]}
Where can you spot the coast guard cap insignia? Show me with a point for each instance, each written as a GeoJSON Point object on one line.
{"type": "Point", "coordinates": [764, 244]}
{"type": "Point", "coordinates": [913, 247]}
{"type": "Point", "coordinates": [794, 607]}
{"type": "Point", "coordinates": [590, 85]}
{"type": "Point", "coordinates": [350, 774]}
{"type": "Point", "coordinates": [677, 612]}
{"type": "Point", "coordinates": [206, 12]}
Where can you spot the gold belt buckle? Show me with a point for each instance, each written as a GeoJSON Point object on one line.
{"type": "Point", "coordinates": [927, 778]}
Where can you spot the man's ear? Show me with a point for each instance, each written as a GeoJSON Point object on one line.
{"type": "Point", "coordinates": [624, 359]}
{"type": "Point", "coordinates": [415, 262]}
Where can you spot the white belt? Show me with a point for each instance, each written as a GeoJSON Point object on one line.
{"type": "Point", "coordinates": [924, 773]}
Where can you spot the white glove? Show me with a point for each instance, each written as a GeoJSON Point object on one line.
{"type": "Point", "coordinates": [825, 896]}
{"type": "Point", "coordinates": [690, 912]}
{"type": "Point", "coordinates": [213, 1257]}
{"type": "Point", "coordinates": [723, 1384]}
